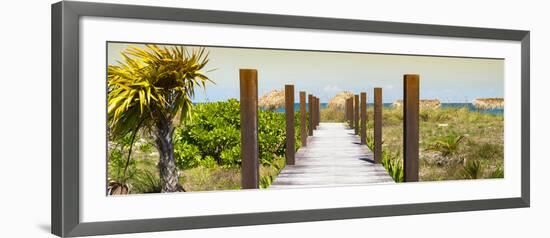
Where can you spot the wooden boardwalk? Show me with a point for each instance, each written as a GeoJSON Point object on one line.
{"type": "Point", "coordinates": [333, 157]}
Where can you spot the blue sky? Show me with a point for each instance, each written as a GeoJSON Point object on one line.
{"type": "Point", "coordinates": [327, 73]}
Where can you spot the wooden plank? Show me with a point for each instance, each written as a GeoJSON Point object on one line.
{"type": "Point", "coordinates": [411, 97]}
{"type": "Point", "coordinates": [377, 125]}
{"type": "Point", "coordinates": [356, 113]}
{"type": "Point", "coordinates": [333, 157]}
{"type": "Point", "coordinates": [303, 119]}
{"type": "Point", "coordinates": [250, 175]}
{"type": "Point", "coordinates": [363, 118]}
{"type": "Point", "coordinates": [289, 125]}
{"type": "Point", "coordinates": [310, 114]}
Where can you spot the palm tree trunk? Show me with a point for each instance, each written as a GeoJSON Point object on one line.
{"type": "Point", "coordinates": [167, 165]}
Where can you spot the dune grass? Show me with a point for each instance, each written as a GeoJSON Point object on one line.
{"type": "Point", "coordinates": [455, 143]}
{"type": "Point", "coordinates": [331, 114]}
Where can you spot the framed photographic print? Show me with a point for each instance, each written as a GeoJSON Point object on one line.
{"type": "Point", "coordinates": [168, 118]}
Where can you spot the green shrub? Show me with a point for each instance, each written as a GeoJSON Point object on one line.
{"type": "Point", "coordinates": [447, 145]}
{"type": "Point", "coordinates": [146, 147]}
{"type": "Point", "coordinates": [472, 169]}
{"type": "Point", "coordinates": [231, 157]}
{"type": "Point", "coordinates": [271, 135]}
{"type": "Point", "coordinates": [208, 162]}
{"type": "Point", "coordinates": [213, 133]}
{"type": "Point", "coordinates": [186, 155]}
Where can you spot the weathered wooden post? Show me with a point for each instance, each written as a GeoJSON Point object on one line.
{"type": "Point", "coordinates": [310, 112]}
{"type": "Point", "coordinates": [303, 128]}
{"type": "Point", "coordinates": [363, 118]}
{"type": "Point", "coordinates": [411, 95]}
{"type": "Point", "coordinates": [377, 125]}
{"type": "Point", "coordinates": [351, 123]}
{"type": "Point", "coordinates": [250, 175]}
{"type": "Point", "coordinates": [346, 110]}
{"type": "Point", "coordinates": [318, 111]}
{"type": "Point", "coordinates": [356, 114]}
{"type": "Point", "coordinates": [290, 133]}
{"type": "Point", "coordinates": [313, 116]}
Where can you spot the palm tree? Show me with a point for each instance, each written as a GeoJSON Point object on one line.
{"type": "Point", "coordinates": [148, 91]}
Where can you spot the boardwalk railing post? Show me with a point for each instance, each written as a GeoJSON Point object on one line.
{"type": "Point", "coordinates": [303, 129]}
{"type": "Point", "coordinates": [250, 176]}
{"type": "Point", "coordinates": [310, 112]}
{"type": "Point", "coordinates": [363, 118]}
{"type": "Point", "coordinates": [411, 95]}
{"type": "Point", "coordinates": [313, 115]}
{"type": "Point", "coordinates": [318, 111]}
{"type": "Point", "coordinates": [377, 125]}
{"type": "Point", "coordinates": [316, 106]}
{"type": "Point", "coordinates": [350, 103]}
{"type": "Point", "coordinates": [351, 116]}
{"type": "Point", "coordinates": [290, 133]}
{"type": "Point", "coordinates": [356, 113]}
{"type": "Point", "coordinates": [346, 111]}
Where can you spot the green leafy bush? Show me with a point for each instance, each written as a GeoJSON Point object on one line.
{"type": "Point", "coordinates": [447, 145]}
{"type": "Point", "coordinates": [186, 155]}
{"type": "Point", "coordinates": [213, 136]}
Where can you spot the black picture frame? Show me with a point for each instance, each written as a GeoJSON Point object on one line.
{"type": "Point", "coordinates": [65, 117]}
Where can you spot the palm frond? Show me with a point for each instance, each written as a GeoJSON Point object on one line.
{"type": "Point", "coordinates": [153, 82]}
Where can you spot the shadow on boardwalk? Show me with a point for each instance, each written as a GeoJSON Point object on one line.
{"type": "Point", "coordinates": [333, 157]}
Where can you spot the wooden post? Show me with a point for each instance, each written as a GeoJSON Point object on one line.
{"type": "Point", "coordinates": [377, 125]}
{"type": "Point", "coordinates": [356, 113]}
{"type": "Point", "coordinates": [312, 118]}
{"type": "Point", "coordinates": [350, 112]}
{"type": "Point", "coordinates": [290, 133]}
{"type": "Point", "coordinates": [363, 118]}
{"type": "Point", "coordinates": [318, 111]}
{"type": "Point", "coordinates": [303, 128]}
{"type": "Point", "coordinates": [310, 112]}
{"type": "Point", "coordinates": [250, 175]}
{"type": "Point", "coordinates": [313, 115]}
{"type": "Point", "coordinates": [346, 111]}
{"type": "Point", "coordinates": [351, 116]}
{"type": "Point", "coordinates": [411, 95]}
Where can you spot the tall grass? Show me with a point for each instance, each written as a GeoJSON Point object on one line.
{"type": "Point", "coordinates": [390, 161]}
{"type": "Point", "coordinates": [451, 139]}
{"type": "Point", "coordinates": [331, 114]}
